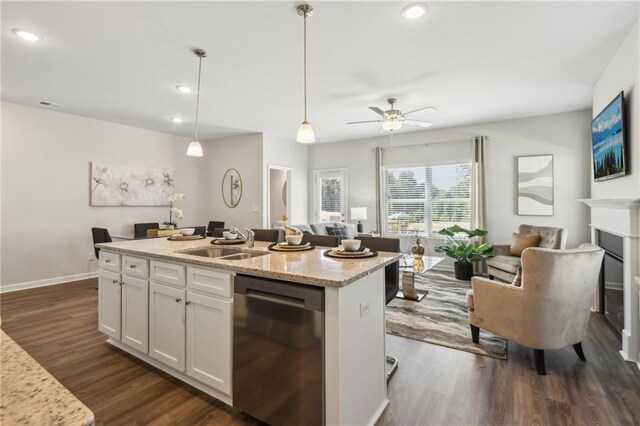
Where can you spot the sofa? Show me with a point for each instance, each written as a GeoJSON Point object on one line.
{"type": "Point", "coordinates": [504, 267]}
{"type": "Point", "coordinates": [321, 228]}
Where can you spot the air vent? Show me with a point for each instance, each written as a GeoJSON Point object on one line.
{"type": "Point", "coordinates": [50, 104]}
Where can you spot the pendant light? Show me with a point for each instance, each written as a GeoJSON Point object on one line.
{"type": "Point", "coordinates": [305, 132]}
{"type": "Point", "coordinates": [195, 149]}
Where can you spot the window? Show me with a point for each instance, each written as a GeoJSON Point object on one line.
{"type": "Point", "coordinates": [330, 195]}
{"type": "Point", "coordinates": [426, 199]}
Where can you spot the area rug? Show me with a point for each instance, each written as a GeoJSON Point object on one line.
{"type": "Point", "coordinates": [441, 317]}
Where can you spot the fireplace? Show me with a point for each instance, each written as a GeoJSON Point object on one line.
{"type": "Point", "coordinates": [612, 280]}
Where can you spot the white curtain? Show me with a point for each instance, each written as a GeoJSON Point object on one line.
{"type": "Point", "coordinates": [478, 190]}
{"type": "Point", "coordinates": [378, 153]}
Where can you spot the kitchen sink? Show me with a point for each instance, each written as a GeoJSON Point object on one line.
{"type": "Point", "coordinates": [224, 253]}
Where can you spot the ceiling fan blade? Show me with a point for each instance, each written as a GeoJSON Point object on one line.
{"type": "Point", "coordinates": [367, 121]}
{"type": "Point", "coordinates": [418, 123]}
{"type": "Point", "coordinates": [377, 110]}
{"type": "Point", "coordinates": [426, 110]}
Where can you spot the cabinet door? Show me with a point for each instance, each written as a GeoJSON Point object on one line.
{"type": "Point", "coordinates": [167, 325]}
{"type": "Point", "coordinates": [109, 303]}
{"type": "Point", "coordinates": [209, 323]}
{"type": "Point", "coordinates": [135, 313]}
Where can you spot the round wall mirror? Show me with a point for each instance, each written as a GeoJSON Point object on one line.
{"type": "Point", "coordinates": [232, 188]}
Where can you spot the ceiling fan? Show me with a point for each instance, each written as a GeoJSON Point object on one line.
{"type": "Point", "coordinates": [393, 119]}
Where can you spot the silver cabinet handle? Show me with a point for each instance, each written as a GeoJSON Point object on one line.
{"type": "Point", "coordinates": [107, 261]}
{"type": "Point", "coordinates": [178, 299]}
{"type": "Point", "coordinates": [132, 266]}
{"type": "Point", "coordinates": [116, 282]}
{"type": "Point", "coordinates": [187, 302]}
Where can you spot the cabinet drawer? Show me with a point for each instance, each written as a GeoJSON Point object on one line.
{"type": "Point", "coordinates": [135, 266]}
{"type": "Point", "coordinates": [208, 281]}
{"type": "Point", "coordinates": [109, 261]}
{"type": "Point", "coordinates": [167, 273]}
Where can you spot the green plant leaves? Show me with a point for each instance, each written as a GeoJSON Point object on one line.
{"type": "Point", "coordinates": [463, 250]}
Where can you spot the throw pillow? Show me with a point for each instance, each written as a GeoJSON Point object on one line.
{"type": "Point", "coordinates": [523, 241]}
{"type": "Point", "coordinates": [517, 280]}
{"type": "Point", "coordinates": [337, 231]}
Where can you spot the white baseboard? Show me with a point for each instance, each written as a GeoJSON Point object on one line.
{"type": "Point", "coordinates": [43, 283]}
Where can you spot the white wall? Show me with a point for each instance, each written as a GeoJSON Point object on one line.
{"type": "Point", "coordinates": [46, 217]}
{"type": "Point", "coordinates": [243, 153]}
{"type": "Point", "coordinates": [293, 155]}
{"type": "Point", "coordinates": [566, 136]}
{"type": "Point", "coordinates": [622, 73]}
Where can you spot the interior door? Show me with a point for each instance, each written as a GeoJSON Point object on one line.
{"type": "Point", "coordinates": [135, 313]}
{"type": "Point", "coordinates": [167, 325]}
{"type": "Point", "coordinates": [331, 195]}
{"type": "Point", "coordinates": [109, 292]}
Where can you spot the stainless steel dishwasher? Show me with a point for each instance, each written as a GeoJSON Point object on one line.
{"type": "Point", "coordinates": [278, 351]}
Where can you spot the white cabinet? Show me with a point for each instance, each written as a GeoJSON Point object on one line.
{"type": "Point", "coordinates": [209, 282]}
{"type": "Point", "coordinates": [167, 325]}
{"type": "Point", "coordinates": [167, 273]}
{"type": "Point", "coordinates": [109, 261]}
{"type": "Point", "coordinates": [209, 324]}
{"type": "Point", "coordinates": [135, 267]}
{"type": "Point", "coordinates": [109, 303]}
{"type": "Point", "coordinates": [135, 313]}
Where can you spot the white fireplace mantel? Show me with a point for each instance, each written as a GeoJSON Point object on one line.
{"type": "Point", "coordinates": [622, 217]}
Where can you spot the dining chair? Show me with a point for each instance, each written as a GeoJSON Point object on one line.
{"type": "Point", "coordinates": [212, 226]}
{"type": "Point", "coordinates": [140, 229]}
{"type": "Point", "coordinates": [100, 235]}
{"type": "Point", "coordinates": [199, 230]}
{"type": "Point", "coordinates": [217, 232]}
{"type": "Point", "coordinates": [320, 240]}
{"type": "Point", "coordinates": [269, 235]}
{"type": "Point", "coordinates": [391, 278]}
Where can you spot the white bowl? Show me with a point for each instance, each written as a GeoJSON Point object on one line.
{"type": "Point", "coordinates": [187, 231]}
{"type": "Point", "coordinates": [229, 235]}
{"type": "Point", "coordinates": [293, 240]}
{"type": "Point", "coordinates": [351, 245]}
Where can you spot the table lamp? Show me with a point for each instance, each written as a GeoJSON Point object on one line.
{"type": "Point", "coordinates": [359, 214]}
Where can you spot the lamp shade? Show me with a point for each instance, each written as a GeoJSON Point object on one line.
{"type": "Point", "coordinates": [305, 133]}
{"type": "Point", "coordinates": [392, 125]}
{"type": "Point", "coordinates": [195, 149]}
{"type": "Point", "coordinates": [358, 213]}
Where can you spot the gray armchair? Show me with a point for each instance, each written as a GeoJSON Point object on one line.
{"type": "Point", "coordinates": [550, 310]}
{"type": "Point", "coordinates": [504, 267]}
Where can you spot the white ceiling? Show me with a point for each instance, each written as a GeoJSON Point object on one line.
{"type": "Point", "coordinates": [473, 61]}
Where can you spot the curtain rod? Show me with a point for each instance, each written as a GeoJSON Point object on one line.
{"type": "Point", "coordinates": [426, 145]}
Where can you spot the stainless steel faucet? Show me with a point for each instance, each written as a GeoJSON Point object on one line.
{"type": "Point", "coordinates": [250, 238]}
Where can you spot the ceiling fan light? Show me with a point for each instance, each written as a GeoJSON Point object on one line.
{"type": "Point", "coordinates": [195, 149]}
{"type": "Point", "coordinates": [391, 125]}
{"type": "Point", "coordinates": [305, 133]}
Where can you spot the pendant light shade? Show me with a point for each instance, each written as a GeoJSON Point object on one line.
{"type": "Point", "coordinates": [305, 132]}
{"type": "Point", "coordinates": [195, 148]}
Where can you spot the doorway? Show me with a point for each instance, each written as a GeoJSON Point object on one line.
{"type": "Point", "coordinates": [278, 195]}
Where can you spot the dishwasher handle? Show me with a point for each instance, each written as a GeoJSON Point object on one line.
{"type": "Point", "coordinates": [282, 292]}
{"type": "Point", "coordinates": [274, 298]}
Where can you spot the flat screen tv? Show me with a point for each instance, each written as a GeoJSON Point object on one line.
{"type": "Point", "coordinates": [609, 141]}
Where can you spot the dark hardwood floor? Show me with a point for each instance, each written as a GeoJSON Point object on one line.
{"type": "Point", "coordinates": [434, 385]}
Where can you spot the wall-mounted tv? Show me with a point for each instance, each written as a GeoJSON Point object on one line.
{"type": "Point", "coordinates": [609, 141]}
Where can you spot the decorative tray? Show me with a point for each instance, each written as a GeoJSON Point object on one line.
{"type": "Point", "coordinates": [185, 237]}
{"type": "Point", "coordinates": [343, 254]}
{"type": "Point", "coordinates": [222, 241]}
{"type": "Point", "coordinates": [284, 247]}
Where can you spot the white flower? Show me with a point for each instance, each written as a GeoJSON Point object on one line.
{"type": "Point", "coordinates": [177, 212]}
{"type": "Point", "coordinates": [175, 197]}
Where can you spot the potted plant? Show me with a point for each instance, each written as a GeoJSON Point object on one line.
{"type": "Point", "coordinates": [463, 250]}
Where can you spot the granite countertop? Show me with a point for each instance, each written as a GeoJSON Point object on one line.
{"type": "Point", "coordinates": [32, 396]}
{"type": "Point", "coordinates": [307, 267]}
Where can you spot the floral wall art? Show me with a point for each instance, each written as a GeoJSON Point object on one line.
{"type": "Point", "coordinates": [114, 185]}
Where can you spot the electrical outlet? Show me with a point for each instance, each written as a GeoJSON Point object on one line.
{"type": "Point", "coordinates": [91, 256]}
{"type": "Point", "coordinates": [364, 309]}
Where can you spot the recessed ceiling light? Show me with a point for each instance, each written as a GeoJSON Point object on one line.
{"type": "Point", "coordinates": [184, 89]}
{"type": "Point", "coordinates": [414, 10]}
{"type": "Point", "coordinates": [176, 119]}
{"type": "Point", "coordinates": [26, 35]}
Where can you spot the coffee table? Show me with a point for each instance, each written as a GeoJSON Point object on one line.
{"type": "Point", "coordinates": [410, 267]}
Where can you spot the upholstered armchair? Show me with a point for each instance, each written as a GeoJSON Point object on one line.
{"type": "Point", "coordinates": [549, 310]}
{"type": "Point", "coordinates": [504, 266]}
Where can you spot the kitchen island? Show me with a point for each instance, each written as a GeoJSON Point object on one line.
{"type": "Point", "coordinates": [173, 306]}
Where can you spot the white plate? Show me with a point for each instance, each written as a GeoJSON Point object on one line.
{"type": "Point", "coordinates": [284, 244]}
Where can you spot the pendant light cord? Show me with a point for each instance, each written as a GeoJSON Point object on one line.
{"type": "Point", "coordinates": [305, 67]}
{"type": "Point", "coordinates": [198, 96]}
